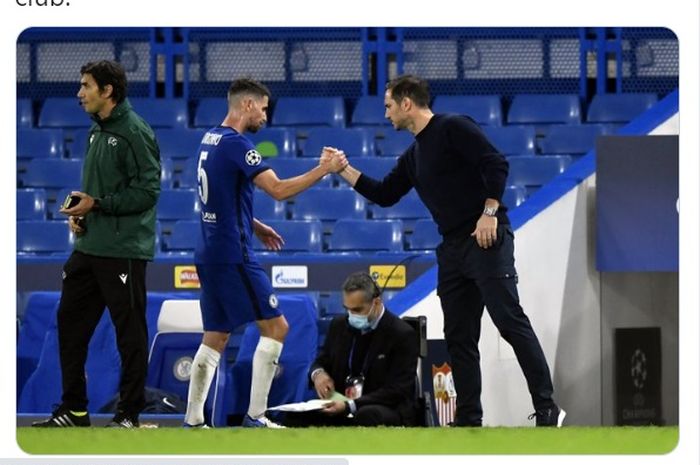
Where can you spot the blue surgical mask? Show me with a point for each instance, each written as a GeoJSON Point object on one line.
{"type": "Point", "coordinates": [360, 322]}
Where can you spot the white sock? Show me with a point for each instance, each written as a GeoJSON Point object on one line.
{"type": "Point", "coordinates": [204, 365]}
{"type": "Point", "coordinates": [265, 361]}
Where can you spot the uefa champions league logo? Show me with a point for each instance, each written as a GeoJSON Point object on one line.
{"type": "Point", "coordinates": [253, 158]}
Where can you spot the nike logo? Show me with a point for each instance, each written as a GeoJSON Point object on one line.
{"type": "Point", "coordinates": [168, 403]}
{"type": "Point", "coordinates": [123, 277]}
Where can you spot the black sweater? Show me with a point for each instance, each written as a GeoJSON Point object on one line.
{"type": "Point", "coordinates": [454, 169]}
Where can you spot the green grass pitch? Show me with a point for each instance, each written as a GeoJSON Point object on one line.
{"type": "Point", "coordinates": [330, 441]}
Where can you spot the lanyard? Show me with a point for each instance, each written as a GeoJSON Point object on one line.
{"type": "Point", "coordinates": [352, 351]}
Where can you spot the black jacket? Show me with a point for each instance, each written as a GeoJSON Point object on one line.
{"type": "Point", "coordinates": [392, 356]}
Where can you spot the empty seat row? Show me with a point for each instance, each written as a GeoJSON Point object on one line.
{"type": "Point", "coordinates": [60, 112]}
{"type": "Point", "coordinates": [182, 144]}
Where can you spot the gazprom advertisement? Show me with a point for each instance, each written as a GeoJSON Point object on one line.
{"type": "Point", "coordinates": [637, 203]}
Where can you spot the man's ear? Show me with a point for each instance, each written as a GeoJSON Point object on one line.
{"type": "Point", "coordinates": [107, 91]}
{"type": "Point", "coordinates": [406, 104]}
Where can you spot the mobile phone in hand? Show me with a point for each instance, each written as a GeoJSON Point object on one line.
{"type": "Point", "coordinates": [70, 201]}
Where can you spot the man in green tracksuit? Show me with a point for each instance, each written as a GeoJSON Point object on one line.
{"type": "Point", "coordinates": [114, 221]}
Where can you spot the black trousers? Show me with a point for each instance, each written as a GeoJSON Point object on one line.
{"type": "Point", "coordinates": [470, 277]}
{"type": "Point", "coordinates": [368, 415]}
{"type": "Point", "coordinates": [89, 284]}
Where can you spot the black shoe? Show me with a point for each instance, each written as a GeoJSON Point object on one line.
{"type": "Point", "coordinates": [553, 416]}
{"type": "Point", "coordinates": [63, 418]}
{"type": "Point", "coordinates": [123, 420]}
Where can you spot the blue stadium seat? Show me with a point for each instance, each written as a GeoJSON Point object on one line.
{"type": "Point", "coordinates": [369, 111]}
{"type": "Point", "coordinates": [63, 112]}
{"type": "Point", "coordinates": [425, 236]}
{"type": "Point", "coordinates": [289, 167]}
{"type": "Point", "coordinates": [267, 208]}
{"type": "Point", "coordinates": [366, 236]}
{"type": "Point", "coordinates": [619, 108]}
{"type": "Point", "coordinates": [39, 143]}
{"type": "Point", "coordinates": [484, 109]}
{"type": "Point", "coordinates": [179, 143]}
{"type": "Point", "coordinates": [161, 112]}
{"type": "Point", "coordinates": [309, 111]}
{"type": "Point", "coordinates": [210, 112]}
{"type": "Point", "coordinates": [25, 115]}
{"type": "Point", "coordinates": [178, 204]}
{"type": "Point", "coordinates": [42, 391]}
{"type": "Point", "coordinates": [274, 142]}
{"type": "Point", "coordinates": [394, 143]}
{"type": "Point", "coordinates": [572, 139]}
{"type": "Point", "coordinates": [536, 170]}
{"type": "Point", "coordinates": [328, 204]}
{"type": "Point", "coordinates": [514, 196]}
{"type": "Point", "coordinates": [512, 140]}
{"type": "Point", "coordinates": [43, 237]}
{"type": "Point", "coordinates": [545, 108]}
{"type": "Point", "coordinates": [52, 173]}
{"type": "Point", "coordinates": [183, 236]}
{"type": "Point", "coordinates": [299, 236]}
{"type": "Point", "coordinates": [291, 382]}
{"type": "Point", "coordinates": [410, 207]}
{"type": "Point", "coordinates": [77, 142]}
{"type": "Point", "coordinates": [331, 303]}
{"type": "Point", "coordinates": [353, 141]}
{"type": "Point", "coordinates": [167, 169]}
{"type": "Point", "coordinates": [185, 173]}
{"type": "Point", "coordinates": [375, 168]}
{"type": "Point", "coordinates": [31, 204]}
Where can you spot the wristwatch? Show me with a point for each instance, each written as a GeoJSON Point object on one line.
{"type": "Point", "coordinates": [490, 211]}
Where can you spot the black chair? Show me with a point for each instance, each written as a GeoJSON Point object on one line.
{"type": "Point", "coordinates": [423, 402]}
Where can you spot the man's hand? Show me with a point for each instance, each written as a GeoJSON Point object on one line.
{"type": "Point", "coordinates": [336, 407]}
{"type": "Point", "coordinates": [268, 236]}
{"type": "Point", "coordinates": [74, 226]}
{"type": "Point", "coordinates": [324, 385]}
{"type": "Point", "coordinates": [486, 231]}
{"type": "Point", "coordinates": [84, 206]}
{"type": "Point", "coordinates": [333, 160]}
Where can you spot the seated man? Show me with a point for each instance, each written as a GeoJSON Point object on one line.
{"type": "Point", "coordinates": [370, 356]}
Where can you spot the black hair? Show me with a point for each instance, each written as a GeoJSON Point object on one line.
{"type": "Point", "coordinates": [107, 72]}
{"type": "Point", "coordinates": [410, 86]}
{"type": "Point", "coordinates": [248, 86]}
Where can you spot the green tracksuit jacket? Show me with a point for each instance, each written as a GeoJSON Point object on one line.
{"type": "Point", "coordinates": [122, 170]}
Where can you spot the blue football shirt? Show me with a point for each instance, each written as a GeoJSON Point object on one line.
{"type": "Point", "coordinates": [226, 166]}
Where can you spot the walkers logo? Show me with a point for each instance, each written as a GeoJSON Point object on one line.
{"type": "Point", "coordinates": [290, 276]}
{"type": "Point", "coordinates": [445, 394]}
{"type": "Point", "coordinates": [390, 276]}
{"type": "Point", "coordinates": [186, 277]}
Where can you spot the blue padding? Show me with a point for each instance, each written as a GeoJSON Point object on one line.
{"type": "Point", "coordinates": [39, 143]}
{"type": "Point", "coordinates": [183, 236]}
{"type": "Point", "coordinates": [425, 235]}
{"type": "Point", "coordinates": [291, 381]}
{"type": "Point", "coordinates": [619, 108]}
{"type": "Point", "coordinates": [366, 236]}
{"type": "Point", "coordinates": [25, 115]}
{"type": "Point", "coordinates": [355, 142]}
{"type": "Point", "coordinates": [545, 108]}
{"type": "Point", "coordinates": [63, 112]}
{"type": "Point", "coordinates": [514, 196]}
{"type": "Point", "coordinates": [178, 204]}
{"type": "Point", "coordinates": [394, 143]}
{"type": "Point", "coordinates": [512, 140]}
{"type": "Point", "coordinates": [31, 204]}
{"type": "Point", "coordinates": [484, 109]}
{"type": "Point", "coordinates": [42, 390]}
{"type": "Point", "coordinates": [298, 236]}
{"type": "Point", "coordinates": [43, 237]}
{"type": "Point", "coordinates": [573, 139]}
{"type": "Point", "coordinates": [309, 111]}
{"type": "Point", "coordinates": [210, 112]}
{"type": "Point", "coordinates": [179, 143]}
{"type": "Point", "coordinates": [267, 208]}
{"type": "Point", "coordinates": [369, 111]}
{"type": "Point", "coordinates": [376, 168]}
{"type": "Point", "coordinates": [52, 173]}
{"type": "Point", "coordinates": [328, 204]}
{"type": "Point", "coordinates": [409, 207]}
{"type": "Point", "coordinates": [159, 112]}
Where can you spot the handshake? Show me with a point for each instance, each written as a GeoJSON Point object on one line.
{"type": "Point", "coordinates": [333, 160]}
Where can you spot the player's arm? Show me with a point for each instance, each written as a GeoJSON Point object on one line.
{"type": "Point", "coordinates": [282, 189]}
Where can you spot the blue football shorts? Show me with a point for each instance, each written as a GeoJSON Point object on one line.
{"type": "Point", "coordinates": [234, 294]}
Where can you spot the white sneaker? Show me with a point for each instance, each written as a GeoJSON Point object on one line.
{"type": "Point", "coordinates": [262, 422]}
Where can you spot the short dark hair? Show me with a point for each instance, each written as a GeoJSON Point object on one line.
{"type": "Point", "coordinates": [248, 86]}
{"type": "Point", "coordinates": [107, 72]}
{"type": "Point", "coordinates": [410, 86]}
{"type": "Point", "coordinates": [361, 281]}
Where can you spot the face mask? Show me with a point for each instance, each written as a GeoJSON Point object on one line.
{"type": "Point", "coordinates": [360, 322]}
